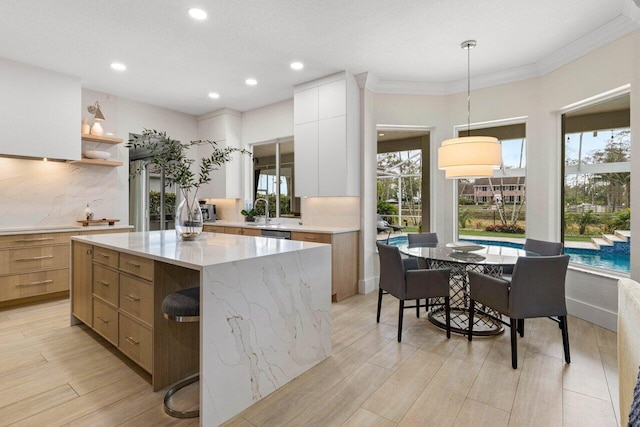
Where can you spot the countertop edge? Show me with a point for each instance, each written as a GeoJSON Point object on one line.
{"type": "Point", "coordinates": [285, 227]}
{"type": "Point", "coordinates": [182, 263]}
{"type": "Point", "coordinates": [61, 229]}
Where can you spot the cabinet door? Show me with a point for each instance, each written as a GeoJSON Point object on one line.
{"type": "Point", "coordinates": [332, 156]}
{"type": "Point", "coordinates": [332, 100]}
{"type": "Point", "coordinates": [305, 106]}
{"type": "Point", "coordinates": [81, 305]}
{"type": "Point", "coordinates": [306, 149]}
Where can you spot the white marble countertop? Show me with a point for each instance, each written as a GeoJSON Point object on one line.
{"type": "Point", "coordinates": [208, 249]}
{"type": "Point", "coordinates": [284, 227]}
{"type": "Point", "coordinates": [60, 229]}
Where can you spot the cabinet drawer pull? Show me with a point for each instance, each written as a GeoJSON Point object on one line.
{"type": "Point", "coordinates": [39, 239]}
{"type": "Point", "coordinates": [34, 258]}
{"type": "Point", "coordinates": [313, 239]}
{"type": "Point", "coordinates": [132, 341]}
{"type": "Point", "coordinates": [132, 298]}
{"type": "Point", "coordinates": [102, 320]}
{"type": "Point", "coordinates": [133, 264]}
{"type": "Point", "coordinates": [102, 255]}
{"type": "Point", "coordinates": [100, 282]}
{"type": "Point", "coordinates": [41, 282]}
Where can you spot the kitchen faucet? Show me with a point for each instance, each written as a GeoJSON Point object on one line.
{"type": "Point", "coordinates": [266, 209]}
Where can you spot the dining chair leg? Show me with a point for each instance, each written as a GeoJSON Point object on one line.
{"type": "Point", "coordinates": [447, 313]}
{"type": "Point", "coordinates": [514, 343]}
{"type": "Point", "coordinates": [401, 311]}
{"type": "Point", "coordinates": [472, 309]}
{"type": "Point", "coordinates": [521, 327]}
{"type": "Point", "coordinates": [380, 291]}
{"type": "Point", "coordinates": [565, 338]}
{"type": "Point", "coordinates": [426, 305]}
{"type": "Point", "coordinates": [418, 308]}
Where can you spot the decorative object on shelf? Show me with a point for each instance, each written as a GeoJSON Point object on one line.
{"type": "Point", "coordinates": [87, 222]}
{"type": "Point", "coordinates": [85, 128]}
{"type": "Point", "coordinates": [171, 156]}
{"type": "Point", "coordinates": [469, 156]}
{"type": "Point", "coordinates": [88, 213]}
{"type": "Point", "coordinates": [96, 129]}
{"type": "Point", "coordinates": [249, 216]}
{"type": "Point", "coordinates": [97, 154]}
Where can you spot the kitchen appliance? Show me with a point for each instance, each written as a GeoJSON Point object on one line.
{"type": "Point", "coordinates": [208, 212]}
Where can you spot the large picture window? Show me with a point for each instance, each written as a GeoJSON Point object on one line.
{"type": "Point", "coordinates": [597, 184]}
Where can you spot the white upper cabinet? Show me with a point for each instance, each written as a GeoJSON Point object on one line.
{"type": "Point", "coordinates": [327, 137]}
{"type": "Point", "coordinates": [332, 100]}
{"type": "Point", "coordinates": [305, 106]}
{"type": "Point", "coordinates": [39, 112]}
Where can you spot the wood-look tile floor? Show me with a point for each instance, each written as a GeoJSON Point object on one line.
{"type": "Point", "coordinates": [53, 374]}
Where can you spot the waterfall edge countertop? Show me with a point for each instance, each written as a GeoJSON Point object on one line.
{"type": "Point", "coordinates": [265, 312]}
{"type": "Point", "coordinates": [208, 249]}
{"type": "Point", "coordinates": [260, 225]}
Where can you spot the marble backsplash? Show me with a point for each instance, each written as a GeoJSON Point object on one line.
{"type": "Point", "coordinates": [34, 193]}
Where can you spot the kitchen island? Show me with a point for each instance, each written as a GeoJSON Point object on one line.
{"type": "Point", "coordinates": [264, 309]}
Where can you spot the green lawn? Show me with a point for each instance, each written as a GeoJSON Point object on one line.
{"type": "Point", "coordinates": [468, 232]}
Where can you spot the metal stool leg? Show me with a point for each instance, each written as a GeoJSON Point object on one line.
{"type": "Point", "coordinates": [173, 412]}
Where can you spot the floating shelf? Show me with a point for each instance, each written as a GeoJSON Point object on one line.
{"type": "Point", "coordinates": [104, 139]}
{"type": "Point", "coordinates": [95, 162]}
{"type": "Point", "coordinates": [97, 221]}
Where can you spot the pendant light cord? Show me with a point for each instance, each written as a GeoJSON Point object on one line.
{"type": "Point", "coordinates": [468, 91]}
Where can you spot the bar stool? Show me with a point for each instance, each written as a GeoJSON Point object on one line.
{"type": "Point", "coordinates": [182, 306]}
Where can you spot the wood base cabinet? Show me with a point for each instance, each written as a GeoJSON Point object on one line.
{"type": "Point", "coordinates": [120, 295]}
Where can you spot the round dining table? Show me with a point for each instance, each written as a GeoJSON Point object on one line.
{"type": "Point", "coordinates": [460, 258]}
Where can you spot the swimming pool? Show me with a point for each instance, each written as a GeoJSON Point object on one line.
{"type": "Point", "coordinates": [590, 257]}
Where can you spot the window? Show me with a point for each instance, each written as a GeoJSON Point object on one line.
{"type": "Point", "coordinates": [274, 179]}
{"type": "Point", "coordinates": [497, 209]}
{"type": "Point", "coordinates": [597, 184]}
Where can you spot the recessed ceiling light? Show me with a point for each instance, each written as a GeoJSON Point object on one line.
{"type": "Point", "coordinates": [251, 82]}
{"type": "Point", "coordinates": [381, 134]}
{"type": "Point", "coordinates": [214, 95]}
{"type": "Point", "coordinates": [297, 66]}
{"type": "Point", "coordinates": [118, 66]}
{"type": "Point", "coordinates": [198, 14]}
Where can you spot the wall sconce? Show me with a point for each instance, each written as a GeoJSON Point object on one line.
{"type": "Point", "coordinates": [97, 113]}
{"type": "Point", "coordinates": [96, 129]}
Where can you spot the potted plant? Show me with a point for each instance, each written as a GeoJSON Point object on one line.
{"type": "Point", "coordinates": [171, 156]}
{"type": "Point", "coordinates": [249, 216]}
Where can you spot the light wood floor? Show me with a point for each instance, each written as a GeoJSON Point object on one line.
{"type": "Point", "coordinates": [53, 374]}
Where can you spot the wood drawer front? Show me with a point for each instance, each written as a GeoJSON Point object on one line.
{"type": "Point", "coordinates": [243, 231]}
{"type": "Point", "coordinates": [138, 266]}
{"type": "Point", "coordinates": [28, 240]}
{"type": "Point", "coordinates": [311, 237]}
{"type": "Point", "coordinates": [105, 320]}
{"type": "Point", "coordinates": [214, 229]}
{"type": "Point", "coordinates": [31, 284]}
{"type": "Point", "coordinates": [136, 341]}
{"type": "Point", "coordinates": [104, 256]}
{"type": "Point", "coordinates": [25, 260]}
{"type": "Point", "coordinates": [105, 283]}
{"type": "Point", "coordinates": [136, 298]}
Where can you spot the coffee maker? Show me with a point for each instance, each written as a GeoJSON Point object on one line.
{"type": "Point", "coordinates": [208, 212]}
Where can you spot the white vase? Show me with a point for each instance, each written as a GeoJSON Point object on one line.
{"type": "Point", "coordinates": [96, 129]}
{"type": "Point", "coordinates": [188, 218]}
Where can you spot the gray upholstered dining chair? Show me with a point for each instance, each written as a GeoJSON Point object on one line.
{"type": "Point", "coordinates": [536, 290]}
{"type": "Point", "coordinates": [410, 284]}
{"type": "Point", "coordinates": [416, 239]}
{"type": "Point", "coordinates": [540, 247]}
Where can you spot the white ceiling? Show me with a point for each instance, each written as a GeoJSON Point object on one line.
{"type": "Point", "coordinates": [174, 61]}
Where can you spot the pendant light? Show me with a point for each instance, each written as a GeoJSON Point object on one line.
{"type": "Point", "coordinates": [469, 156]}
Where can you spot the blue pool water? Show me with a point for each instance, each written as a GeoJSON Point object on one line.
{"type": "Point", "coordinates": [591, 257]}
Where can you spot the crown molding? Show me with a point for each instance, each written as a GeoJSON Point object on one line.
{"type": "Point", "coordinates": [219, 112]}
{"type": "Point", "coordinates": [605, 34]}
{"type": "Point", "coordinates": [368, 81]}
{"type": "Point", "coordinates": [616, 28]}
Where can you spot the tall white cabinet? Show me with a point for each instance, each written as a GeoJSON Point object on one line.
{"type": "Point", "coordinates": [327, 137]}
{"type": "Point", "coordinates": [224, 127]}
